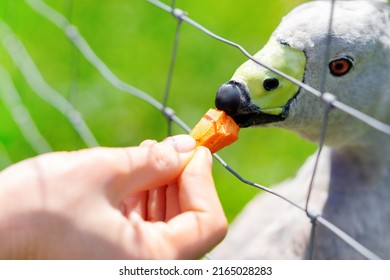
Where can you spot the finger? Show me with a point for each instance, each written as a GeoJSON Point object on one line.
{"type": "Point", "coordinates": [156, 205]}
{"type": "Point", "coordinates": [197, 190]}
{"type": "Point", "coordinates": [148, 143]}
{"type": "Point", "coordinates": [173, 205]}
{"type": "Point", "coordinates": [203, 223]}
{"type": "Point", "coordinates": [135, 203]}
{"type": "Point", "coordinates": [152, 166]}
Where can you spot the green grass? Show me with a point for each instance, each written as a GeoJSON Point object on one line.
{"type": "Point", "coordinates": [135, 39]}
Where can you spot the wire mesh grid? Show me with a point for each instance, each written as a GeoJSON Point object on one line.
{"type": "Point", "coordinates": [25, 64]}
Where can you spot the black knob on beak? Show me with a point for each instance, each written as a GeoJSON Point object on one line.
{"type": "Point", "coordinates": [229, 98]}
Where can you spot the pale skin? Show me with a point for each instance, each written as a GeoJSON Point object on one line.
{"type": "Point", "coordinates": [155, 201]}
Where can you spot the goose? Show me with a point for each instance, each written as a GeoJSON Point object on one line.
{"type": "Point", "coordinates": [351, 188]}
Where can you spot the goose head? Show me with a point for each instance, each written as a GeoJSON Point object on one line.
{"type": "Point", "coordinates": [355, 68]}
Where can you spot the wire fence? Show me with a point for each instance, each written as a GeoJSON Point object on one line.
{"type": "Point", "coordinates": [23, 61]}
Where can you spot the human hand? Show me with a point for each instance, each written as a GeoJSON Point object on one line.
{"type": "Point", "coordinates": [155, 201]}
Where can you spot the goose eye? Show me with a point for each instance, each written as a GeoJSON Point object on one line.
{"type": "Point", "coordinates": [341, 66]}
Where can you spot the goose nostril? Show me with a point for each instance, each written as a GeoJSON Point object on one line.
{"type": "Point", "coordinates": [271, 84]}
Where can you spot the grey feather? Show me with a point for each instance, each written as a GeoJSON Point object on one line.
{"type": "Point", "coordinates": [352, 186]}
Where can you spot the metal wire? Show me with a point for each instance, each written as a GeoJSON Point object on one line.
{"type": "Point", "coordinates": [171, 68]}
{"type": "Point", "coordinates": [329, 107]}
{"type": "Point", "coordinates": [5, 158]}
{"type": "Point", "coordinates": [21, 114]}
{"type": "Point", "coordinates": [380, 126]}
{"type": "Point", "coordinates": [85, 49]}
{"type": "Point", "coordinates": [330, 101]}
{"type": "Point", "coordinates": [24, 62]}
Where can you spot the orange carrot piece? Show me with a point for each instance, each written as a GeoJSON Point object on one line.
{"type": "Point", "coordinates": [215, 130]}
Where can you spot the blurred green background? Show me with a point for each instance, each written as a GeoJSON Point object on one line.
{"type": "Point", "coordinates": [135, 39]}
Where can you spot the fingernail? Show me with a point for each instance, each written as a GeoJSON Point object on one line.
{"type": "Point", "coordinates": [182, 143]}
{"type": "Point", "coordinates": [206, 154]}
{"type": "Point", "coordinates": [210, 156]}
{"type": "Point", "coordinates": [147, 143]}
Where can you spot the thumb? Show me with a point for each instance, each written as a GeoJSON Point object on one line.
{"type": "Point", "coordinates": [153, 165]}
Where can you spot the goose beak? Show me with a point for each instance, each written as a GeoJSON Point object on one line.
{"type": "Point", "coordinates": [256, 95]}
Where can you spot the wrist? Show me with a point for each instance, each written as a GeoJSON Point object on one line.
{"type": "Point", "coordinates": [15, 226]}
